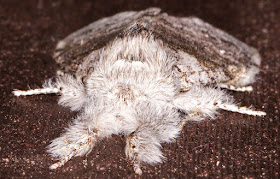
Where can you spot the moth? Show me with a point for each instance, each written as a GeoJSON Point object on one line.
{"type": "Point", "coordinates": [143, 75]}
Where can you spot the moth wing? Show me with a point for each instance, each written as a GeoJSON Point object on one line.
{"type": "Point", "coordinates": [219, 54]}
{"type": "Point", "coordinates": [212, 55]}
{"type": "Point", "coordinates": [222, 58]}
{"type": "Point", "coordinates": [71, 51]}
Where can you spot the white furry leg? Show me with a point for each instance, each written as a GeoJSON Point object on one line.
{"type": "Point", "coordinates": [136, 167]}
{"type": "Point", "coordinates": [78, 140]}
{"type": "Point", "coordinates": [143, 147]}
{"type": "Point", "coordinates": [136, 164]}
{"type": "Point", "coordinates": [243, 110]}
{"type": "Point", "coordinates": [72, 90]}
{"type": "Point", "coordinates": [36, 91]}
{"type": "Point", "coordinates": [233, 88]}
{"type": "Point", "coordinates": [73, 150]}
{"type": "Point", "coordinates": [207, 100]}
{"type": "Point", "coordinates": [65, 159]}
{"type": "Point", "coordinates": [132, 152]}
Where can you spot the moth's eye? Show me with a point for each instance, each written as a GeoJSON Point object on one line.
{"type": "Point", "coordinates": [133, 146]}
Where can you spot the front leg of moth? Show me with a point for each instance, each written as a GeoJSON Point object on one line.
{"type": "Point", "coordinates": [235, 88]}
{"type": "Point", "coordinates": [207, 100]}
{"type": "Point", "coordinates": [71, 89]}
{"type": "Point", "coordinates": [143, 147]}
{"type": "Point", "coordinates": [78, 140]}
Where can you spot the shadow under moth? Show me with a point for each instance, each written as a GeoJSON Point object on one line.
{"type": "Point", "coordinates": [143, 75]}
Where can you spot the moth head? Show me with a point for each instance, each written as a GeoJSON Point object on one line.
{"type": "Point", "coordinates": [118, 80]}
{"type": "Point", "coordinates": [125, 93]}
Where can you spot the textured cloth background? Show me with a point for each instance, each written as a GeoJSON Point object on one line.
{"type": "Point", "coordinates": [233, 146]}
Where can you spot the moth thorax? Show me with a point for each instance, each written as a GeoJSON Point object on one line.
{"type": "Point", "coordinates": [125, 93]}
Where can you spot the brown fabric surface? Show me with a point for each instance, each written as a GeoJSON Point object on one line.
{"type": "Point", "coordinates": [232, 146]}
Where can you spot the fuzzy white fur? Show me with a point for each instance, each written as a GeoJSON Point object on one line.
{"type": "Point", "coordinates": [134, 91]}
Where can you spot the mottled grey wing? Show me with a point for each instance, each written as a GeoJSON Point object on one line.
{"type": "Point", "coordinates": [203, 41]}
{"type": "Point", "coordinates": [71, 50]}
{"type": "Point", "coordinates": [212, 48]}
